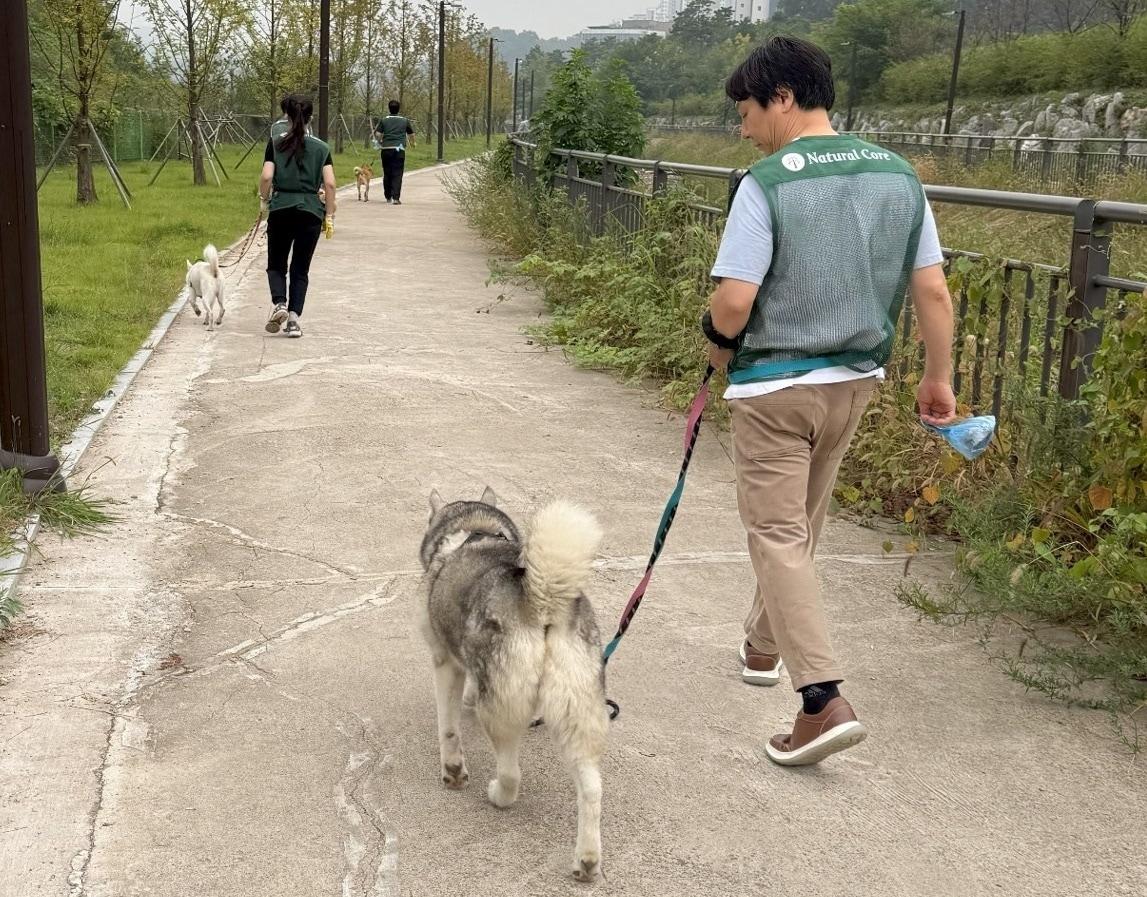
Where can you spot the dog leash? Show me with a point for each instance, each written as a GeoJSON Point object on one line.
{"type": "Point", "coordinates": [248, 242]}
{"type": "Point", "coordinates": [692, 431]}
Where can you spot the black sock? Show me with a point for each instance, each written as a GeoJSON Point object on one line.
{"type": "Point", "coordinates": [816, 697]}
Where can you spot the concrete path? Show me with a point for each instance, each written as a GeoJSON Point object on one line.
{"type": "Point", "coordinates": [223, 696]}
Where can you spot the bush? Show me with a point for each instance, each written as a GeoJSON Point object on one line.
{"type": "Point", "coordinates": [597, 113]}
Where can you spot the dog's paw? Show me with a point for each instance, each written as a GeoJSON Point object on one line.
{"type": "Point", "coordinates": [455, 776]}
{"type": "Point", "coordinates": [501, 797]}
{"type": "Point", "coordinates": [587, 867]}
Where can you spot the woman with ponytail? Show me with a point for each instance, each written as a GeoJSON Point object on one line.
{"type": "Point", "coordinates": [296, 167]}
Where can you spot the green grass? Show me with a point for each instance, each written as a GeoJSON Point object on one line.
{"type": "Point", "coordinates": [109, 273]}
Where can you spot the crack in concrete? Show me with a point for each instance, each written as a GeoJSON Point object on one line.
{"type": "Point", "coordinates": [246, 651]}
{"type": "Point", "coordinates": [246, 540]}
{"type": "Point", "coordinates": [370, 845]}
{"type": "Point", "coordinates": [169, 459]}
{"type": "Point", "coordinates": [77, 878]}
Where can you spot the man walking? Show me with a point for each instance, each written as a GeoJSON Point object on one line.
{"type": "Point", "coordinates": [824, 237]}
{"type": "Point", "coordinates": [395, 133]}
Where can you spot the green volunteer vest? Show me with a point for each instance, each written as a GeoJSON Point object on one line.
{"type": "Point", "coordinates": [846, 219]}
{"type": "Point", "coordinates": [393, 130]}
{"type": "Point", "coordinates": [295, 186]}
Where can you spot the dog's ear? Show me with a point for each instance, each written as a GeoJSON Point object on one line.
{"type": "Point", "coordinates": [188, 264]}
{"type": "Point", "coordinates": [436, 502]}
{"type": "Point", "coordinates": [488, 497]}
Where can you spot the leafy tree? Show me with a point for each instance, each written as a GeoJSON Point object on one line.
{"type": "Point", "coordinates": [593, 113]}
{"type": "Point", "coordinates": [74, 40]}
{"type": "Point", "coordinates": [620, 128]}
{"type": "Point", "coordinates": [809, 10]}
{"type": "Point", "coordinates": [699, 26]}
{"type": "Point", "coordinates": [192, 37]}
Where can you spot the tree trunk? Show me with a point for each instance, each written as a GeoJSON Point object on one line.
{"type": "Point", "coordinates": [85, 183]}
{"type": "Point", "coordinates": [273, 46]}
{"type": "Point", "coordinates": [198, 173]}
{"type": "Point", "coordinates": [85, 186]}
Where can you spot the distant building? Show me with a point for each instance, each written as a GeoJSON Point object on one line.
{"type": "Point", "coordinates": [629, 29]}
{"type": "Point", "coordinates": [751, 10]}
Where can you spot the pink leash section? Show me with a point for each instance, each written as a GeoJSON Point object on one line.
{"type": "Point", "coordinates": [692, 431]}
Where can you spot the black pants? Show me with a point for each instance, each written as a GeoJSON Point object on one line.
{"type": "Point", "coordinates": [393, 164]}
{"type": "Point", "coordinates": [294, 233]}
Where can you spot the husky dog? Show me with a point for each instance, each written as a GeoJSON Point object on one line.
{"type": "Point", "coordinates": [204, 282]}
{"type": "Point", "coordinates": [509, 617]}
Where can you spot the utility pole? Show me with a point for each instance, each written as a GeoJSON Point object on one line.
{"type": "Point", "coordinates": [955, 74]}
{"type": "Point", "coordinates": [531, 115]}
{"type": "Point", "coordinates": [851, 89]}
{"type": "Point", "coordinates": [490, 95]}
{"type": "Point", "coordinates": [324, 64]}
{"type": "Point", "coordinates": [23, 375]}
{"type": "Point", "coordinates": [441, 77]}
{"type": "Point", "coordinates": [369, 60]}
{"type": "Point", "coordinates": [514, 114]}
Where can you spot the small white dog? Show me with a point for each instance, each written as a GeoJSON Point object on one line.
{"type": "Point", "coordinates": [205, 282]}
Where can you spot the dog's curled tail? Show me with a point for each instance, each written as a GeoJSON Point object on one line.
{"type": "Point", "coordinates": [558, 557]}
{"type": "Point", "coordinates": [211, 256]}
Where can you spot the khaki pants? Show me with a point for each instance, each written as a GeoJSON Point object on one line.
{"type": "Point", "coordinates": [788, 446]}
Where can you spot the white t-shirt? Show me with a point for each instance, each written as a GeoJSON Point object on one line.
{"type": "Point", "coordinates": [747, 252]}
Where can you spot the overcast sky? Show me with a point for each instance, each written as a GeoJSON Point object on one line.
{"type": "Point", "coordinates": [553, 18]}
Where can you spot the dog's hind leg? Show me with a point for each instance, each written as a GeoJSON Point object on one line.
{"type": "Point", "coordinates": [573, 703]}
{"type": "Point", "coordinates": [219, 301]}
{"type": "Point", "coordinates": [449, 680]}
{"type": "Point", "coordinates": [506, 736]}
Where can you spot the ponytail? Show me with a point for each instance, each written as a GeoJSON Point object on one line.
{"type": "Point", "coordinates": [298, 109]}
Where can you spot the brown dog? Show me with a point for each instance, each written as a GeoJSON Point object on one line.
{"type": "Point", "coordinates": [362, 177]}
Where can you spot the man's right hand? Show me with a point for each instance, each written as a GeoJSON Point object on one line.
{"type": "Point", "coordinates": [936, 402]}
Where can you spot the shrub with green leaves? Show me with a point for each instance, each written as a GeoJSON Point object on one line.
{"type": "Point", "coordinates": [594, 112]}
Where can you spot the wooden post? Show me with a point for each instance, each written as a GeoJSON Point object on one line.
{"type": "Point", "coordinates": [23, 377]}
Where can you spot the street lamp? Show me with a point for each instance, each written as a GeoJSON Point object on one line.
{"type": "Point", "coordinates": [441, 79]}
{"type": "Point", "coordinates": [851, 85]}
{"type": "Point", "coordinates": [490, 92]}
{"type": "Point", "coordinates": [955, 72]}
{"type": "Point", "coordinates": [514, 114]}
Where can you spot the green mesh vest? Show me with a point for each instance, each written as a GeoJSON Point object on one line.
{"type": "Point", "coordinates": [297, 186]}
{"type": "Point", "coordinates": [846, 219]}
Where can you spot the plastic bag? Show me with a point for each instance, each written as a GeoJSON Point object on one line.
{"type": "Point", "coordinates": [970, 437]}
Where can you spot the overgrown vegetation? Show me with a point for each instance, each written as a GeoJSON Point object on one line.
{"type": "Point", "coordinates": [1096, 58]}
{"type": "Point", "coordinates": [600, 113]}
{"type": "Point", "coordinates": [1051, 523]}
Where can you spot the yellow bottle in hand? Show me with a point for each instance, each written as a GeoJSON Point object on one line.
{"type": "Point", "coordinates": [329, 227]}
